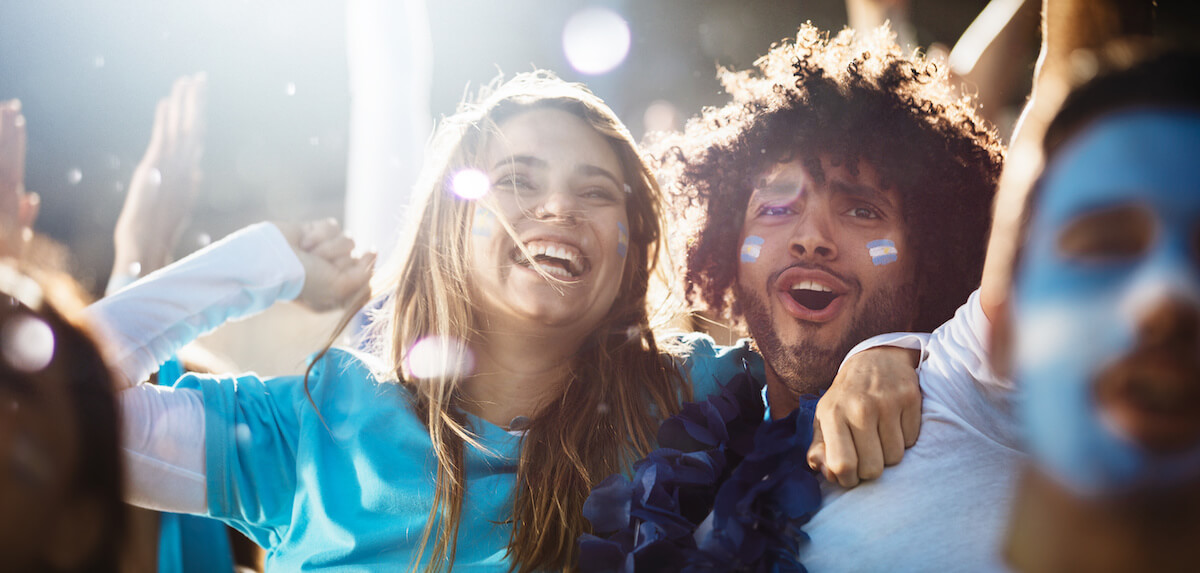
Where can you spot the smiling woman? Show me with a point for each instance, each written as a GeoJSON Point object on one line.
{"type": "Point", "coordinates": [514, 365]}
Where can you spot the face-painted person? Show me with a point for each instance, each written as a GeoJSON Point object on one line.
{"type": "Point", "coordinates": [1106, 325]}
{"type": "Point", "coordinates": [514, 364]}
{"type": "Point", "coordinates": [514, 361]}
{"type": "Point", "coordinates": [842, 194]}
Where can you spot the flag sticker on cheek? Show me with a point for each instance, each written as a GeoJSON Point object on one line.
{"type": "Point", "coordinates": [882, 252]}
{"type": "Point", "coordinates": [751, 248]}
{"type": "Point", "coordinates": [622, 239]}
{"type": "Point", "coordinates": [485, 222]}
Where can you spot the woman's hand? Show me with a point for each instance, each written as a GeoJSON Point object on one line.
{"type": "Point", "coordinates": [867, 418]}
{"type": "Point", "coordinates": [334, 275]}
{"type": "Point", "coordinates": [165, 183]}
{"type": "Point", "coordinates": [18, 209]}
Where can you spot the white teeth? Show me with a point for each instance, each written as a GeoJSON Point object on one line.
{"type": "Point", "coordinates": [554, 270]}
{"type": "Point", "coordinates": [811, 285]}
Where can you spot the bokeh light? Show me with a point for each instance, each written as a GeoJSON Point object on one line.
{"type": "Point", "coordinates": [439, 358]}
{"type": "Point", "coordinates": [661, 115]}
{"type": "Point", "coordinates": [596, 40]}
{"type": "Point", "coordinates": [470, 184]}
{"type": "Point", "coordinates": [74, 176]}
{"type": "Point", "coordinates": [27, 343]}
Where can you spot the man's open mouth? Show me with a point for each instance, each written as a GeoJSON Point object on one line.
{"type": "Point", "coordinates": [812, 295]}
{"type": "Point", "coordinates": [555, 259]}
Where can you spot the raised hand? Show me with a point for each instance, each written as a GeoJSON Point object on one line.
{"type": "Point", "coordinates": [165, 183]}
{"type": "Point", "coordinates": [334, 275]}
{"type": "Point", "coordinates": [18, 209]}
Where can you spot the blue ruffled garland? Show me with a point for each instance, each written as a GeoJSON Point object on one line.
{"type": "Point", "coordinates": [716, 457]}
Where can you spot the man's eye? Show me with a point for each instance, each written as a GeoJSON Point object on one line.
{"type": "Point", "coordinates": [863, 213]}
{"type": "Point", "coordinates": [774, 211]}
{"type": "Point", "coordinates": [1108, 234]}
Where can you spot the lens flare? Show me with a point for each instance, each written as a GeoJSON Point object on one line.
{"type": "Point", "coordinates": [439, 358]}
{"type": "Point", "coordinates": [27, 343]}
{"type": "Point", "coordinates": [470, 184]}
{"type": "Point", "coordinates": [596, 40]}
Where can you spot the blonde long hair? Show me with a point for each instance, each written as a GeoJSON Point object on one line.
{"type": "Point", "coordinates": [619, 385]}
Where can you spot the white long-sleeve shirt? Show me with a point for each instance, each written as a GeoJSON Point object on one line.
{"type": "Point", "coordinates": [145, 323]}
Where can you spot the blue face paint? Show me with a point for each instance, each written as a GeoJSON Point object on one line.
{"type": "Point", "coordinates": [882, 252]}
{"type": "Point", "coordinates": [1076, 316]}
{"type": "Point", "coordinates": [622, 239]}
{"type": "Point", "coordinates": [485, 222]}
{"type": "Point", "coordinates": [752, 248]}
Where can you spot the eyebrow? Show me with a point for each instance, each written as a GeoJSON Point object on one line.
{"type": "Point", "coordinates": [860, 190]}
{"type": "Point", "coordinates": [535, 162]}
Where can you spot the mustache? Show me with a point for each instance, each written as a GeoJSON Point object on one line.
{"type": "Point", "coordinates": [849, 281]}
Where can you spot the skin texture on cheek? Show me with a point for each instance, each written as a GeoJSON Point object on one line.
{"type": "Point", "coordinates": [752, 248]}
{"type": "Point", "coordinates": [883, 252]}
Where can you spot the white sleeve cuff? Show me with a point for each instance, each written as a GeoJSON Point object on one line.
{"type": "Point", "coordinates": [148, 321]}
{"type": "Point", "coordinates": [918, 341]}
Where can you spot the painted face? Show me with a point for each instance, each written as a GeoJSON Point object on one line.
{"type": "Point", "coordinates": [813, 277]}
{"type": "Point", "coordinates": [559, 185]}
{"type": "Point", "coordinates": [1107, 306]}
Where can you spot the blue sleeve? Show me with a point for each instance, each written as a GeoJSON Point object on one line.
{"type": "Point", "coordinates": [252, 429]}
{"type": "Point", "coordinates": [709, 366]}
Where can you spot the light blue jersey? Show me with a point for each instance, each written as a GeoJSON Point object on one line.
{"type": "Point", "coordinates": [352, 492]}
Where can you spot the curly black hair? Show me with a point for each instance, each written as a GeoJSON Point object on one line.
{"type": "Point", "coordinates": [851, 98]}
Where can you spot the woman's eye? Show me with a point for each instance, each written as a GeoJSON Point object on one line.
{"type": "Point", "coordinates": [513, 182]}
{"type": "Point", "coordinates": [599, 193]}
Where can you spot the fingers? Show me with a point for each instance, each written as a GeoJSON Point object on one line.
{"type": "Point", "coordinates": [314, 233]}
{"type": "Point", "coordinates": [891, 438]}
{"type": "Point", "coordinates": [336, 250]}
{"type": "Point", "coordinates": [864, 428]}
{"type": "Point", "coordinates": [841, 455]}
{"type": "Point", "coordinates": [12, 146]}
{"type": "Point", "coordinates": [910, 424]}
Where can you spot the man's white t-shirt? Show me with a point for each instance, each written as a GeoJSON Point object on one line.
{"type": "Point", "coordinates": [945, 507]}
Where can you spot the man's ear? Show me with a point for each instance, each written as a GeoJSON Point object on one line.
{"type": "Point", "coordinates": [1001, 348]}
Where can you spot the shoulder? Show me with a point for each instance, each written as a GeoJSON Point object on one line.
{"type": "Point", "coordinates": [709, 365]}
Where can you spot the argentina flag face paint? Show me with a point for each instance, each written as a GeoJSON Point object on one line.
{"type": "Point", "coordinates": [1106, 305]}
{"type": "Point", "coordinates": [752, 248]}
{"type": "Point", "coordinates": [882, 252]}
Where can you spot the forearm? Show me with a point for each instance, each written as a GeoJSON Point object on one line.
{"type": "Point", "coordinates": [163, 438]}
{"type": "Point", "coordinates": [145, 323]}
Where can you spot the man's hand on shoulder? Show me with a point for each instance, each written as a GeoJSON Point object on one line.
{"type": "Point", "coordinates": [868, 417]}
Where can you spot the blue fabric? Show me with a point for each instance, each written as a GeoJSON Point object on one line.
{"type": "Point", "coordinates": [190, 543]}
{"type": "Point", "coordinates": [711, 366]}
{"type": "Point", "coordinates": [351, 492]}
{"type": "Point", "coordinates": [350, 488]}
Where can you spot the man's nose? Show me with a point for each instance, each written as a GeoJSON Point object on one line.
{"type": "Point", "coordinates": [1171, 320]}
{"type": "Point", "coordinates": [812, 237]}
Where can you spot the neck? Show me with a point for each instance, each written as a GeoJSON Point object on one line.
{"type": "Point", "coordinates": [782, 399]}
{"type": "Point", "coordinates": [1054, 530]}
{"type": "Point", "coordinates": [517, 374]}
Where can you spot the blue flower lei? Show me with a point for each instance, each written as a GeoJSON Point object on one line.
{"type": "Point", "coordinates": [725, 491]}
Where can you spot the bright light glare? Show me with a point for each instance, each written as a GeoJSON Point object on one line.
{"type": "Point", "coordinates": [439, 358]}
{"type": "Point", "coordinates": [596, 40]}
{"type": "Point", "coordinates": [470, 184]}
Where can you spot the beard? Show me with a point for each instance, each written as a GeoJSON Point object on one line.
{"type": "Point", "coordinates": [808, 368]}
